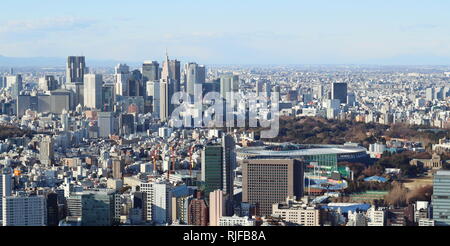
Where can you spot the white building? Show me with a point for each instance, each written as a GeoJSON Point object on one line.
{"type": "Point", "coordinates": [426, 222]}
{"type": "Point", "coordinates": [297, 212]}
{"type": "Point", "coordinates": [236, 221]}
{"type": "Point", "coordinates": [375, 217]}
{"type": "Point", "coordinates": [93, 91]}
{"type": "Point", "coordinates": [24, 211]}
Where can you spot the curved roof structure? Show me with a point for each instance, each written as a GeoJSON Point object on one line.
{"type": "Point", "coordinates": [298, 150]}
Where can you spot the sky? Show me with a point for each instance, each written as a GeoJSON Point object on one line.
{"type": "Point", "coordinates": [230, 31]}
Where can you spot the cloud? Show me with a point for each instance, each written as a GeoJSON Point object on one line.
{"type": "Point", "coordinates": [45, 25]}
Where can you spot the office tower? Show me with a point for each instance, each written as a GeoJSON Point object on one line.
{"type": "Point", "coordinates": [218, 163]}
{"type": "Point", "coordinates": [319, 92]}
{"type": "Point", "coordinates": [441, 198]}
{"type": "Point", "coordinates": [212, 171]}
{"type": "Point", "coordinates": [24, 210]}
{"type": "Point", "coordinates": [153, 93]}
{"type": "Point", "coordinates": [52, 209]}
{"type": "Point", "coordinates": [126, 124]}
{"type": "Point", "coordinates": [108, 97]}
{"type": "Point", "coordinates": [135, 85]}
{"type": "Point", "coordinates": [429, 94]}
{"type": "Point", "coordinates": [121, 77]}
{"type": "Point", "coordinates": [65, 120]}
{"type": "Point", "coordinates": [147, 207]}
{"type": "Point", "coordinates": [46, 151]}
{"type": "Point", "coordinates": [48, 83]}
{"type": "Point", "coordinates": [162, 203]}
{"type": "Point", "coordinates": [105, 124]}
{"type": "Point", "coordinates": [270, 181]}
{"type": "Point", "coordinates": [195, 76]}
{"type": "Point", "coordinates": [259, 87]}
{"type": "Point", "coordinates": [118, 166]}
{"type": "Point", "coordinates": [229, 164]}
{"type": "Point", "coordinates": [96, 208]}
{"type": "Point", "coordinates": [75, 70]}
{"type": "Point", "coordinates": [339, 92]}
{"type": "Point", "coordinates": [2, 82]}
{"type": "Point", "coordinates": [171, 71]}
{"type": "Point", "coordinates": [216, 207]}
{"type": "Point", "coordinates": [5, 186]}
{"type": "Point", "coordinates": [14, 83]}
{"type": "Point", "coordinates": [198, 213]}
{"type": "Point", "coordinates": [93, 91]}
{"type": "Point", "coordinates": [164, 101]}
{"type": "Point", "coordinates": [150, 71]}
{"type": "Point", "coordinates": [229, 83]}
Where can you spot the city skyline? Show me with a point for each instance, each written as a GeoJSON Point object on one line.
{"type": "Point", "coordinates": [287, 32]}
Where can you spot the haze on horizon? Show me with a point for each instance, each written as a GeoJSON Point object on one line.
{"type": "Point", "coordinates": [231, 31]}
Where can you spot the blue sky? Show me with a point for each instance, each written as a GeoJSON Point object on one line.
{"type": "Point", "coordinates": [228, 31]}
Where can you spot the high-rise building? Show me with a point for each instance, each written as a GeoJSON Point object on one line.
{"type": "Point", "coordinates": [93, 91]}
{"type": "Point", "coordinates": [118, 166]}
{"type": "Point", "coordinates": [218, 163]}
{"type": "Point", "coordinates": [105, 124]}
{"type": "Point", "coordinates": [5, 186]}
{"type": "Point", "coordinates": [46, 151]}
{"type": "Point", "coordinates": [198, 213]}
{"type": "Point", "coordinates": [52, 209]}
{"type": "Point", "coordinates": [150, 71]}
{"type": "Point", "coordinates": [24, 210]}
{"type": "Point", "coordinates": [195, 77]}
{"type": "Point", "coordinates": [441, 198]}
{"type": "Point", "coordinates": [121, 77]}
{"type": "Point", "coordinates": [153, 94]}
{"type": "Point", "coordinates": [216, 207]}
{"type": "Point", "coordinates": [270, 181]}
{"type": "Point", "coordinates": [48, 83]}
{"type": "Point", "coordinates": [75, 70]}
{"type": "Point", "coordinates": [162, 203]}
{"type": "Point", "coordinates": [164, 101]}
{"type": "Point", "coordinates": [96, 207]}
{"type": "Point", "coordinates": [339, 92]}
{"type": "Point", "coordinates": [14, 83]}
{"type": "Point", "coordinates": [229, 83]}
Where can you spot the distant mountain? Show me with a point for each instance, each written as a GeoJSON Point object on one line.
{"type": "Point", "coordinates": [53, 62]}
{"type": "Point", "coordinates": [411, 60]}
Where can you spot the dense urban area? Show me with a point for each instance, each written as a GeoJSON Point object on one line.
{"type": "Point", "coordinates": [100, 146]}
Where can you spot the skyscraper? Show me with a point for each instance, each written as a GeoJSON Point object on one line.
{"type": "Point", "coordinates": [195, 75]}
{"type": "Point", "coordinates": [218, 163]}
{"type": "Point", "coordinates": [5, 186]}
{"type": "Point", "coordinates": [46, 151]}
{"type": "Point", "coordinates": [339, 92]}
{"type": "Point", "coordinates": [48, 83]}
{"type": "Point", "coordinates": [75, 70]}
{"type": "Point", "coordinates": [93, 91]}
{"type": "Point", "coordinates": [150, 71]}
{"type": "Point", "coordinates": [228, 83]}
{"type": "Point", "coordinates": [441, 198]}
{"type": "Point", "coordinates": [270, 181]}
{"type": "Point", "coordinates": [121, 76]}
{"type": "Point", "coordinates": [14, 83]}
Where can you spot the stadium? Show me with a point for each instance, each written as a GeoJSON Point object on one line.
{"type": "Point", "coordinates": [321, 160]}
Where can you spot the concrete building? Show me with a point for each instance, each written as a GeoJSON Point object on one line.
{"type": "Point", "coordinates": [93, 91]}
{"type": "Point", "coordinates": [296, 212]}
{"type": "Point", "coordinates": [46, 151]}
{"type": "Point", "coordinates": [216, 207]}
{"type": "Point", "coordinates": [441, 198]}
{"type": "Point", "coordinates": [75, 69]}
{"type": "Point", "coordinates": [24, 210]}
{"type": "Point", "coordinates": [270, 181]}
{"type": "Point", "coordinates": [339, 92]}
{"type": "Point", "coordinates": [236, 221]}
